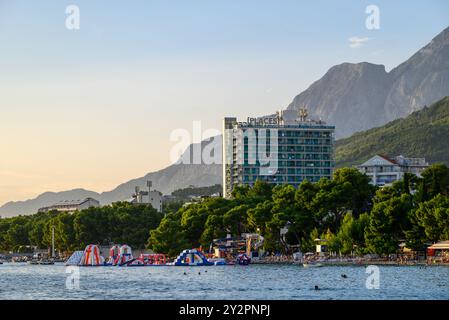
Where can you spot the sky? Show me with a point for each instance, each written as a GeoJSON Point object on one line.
{"type": "Point", "coordinates": [94, 107]}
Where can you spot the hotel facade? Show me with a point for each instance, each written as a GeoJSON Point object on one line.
{"type": "Point", "coordinates": [282, 149]}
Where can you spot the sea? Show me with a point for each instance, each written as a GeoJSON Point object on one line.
{"type": "Point", "coordinates": [280, 282]}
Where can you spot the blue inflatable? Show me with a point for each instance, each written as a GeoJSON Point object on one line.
{"type": "Point", "coordinates": [192, 257]}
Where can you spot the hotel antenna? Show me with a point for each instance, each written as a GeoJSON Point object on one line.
{"type": "Point", "coordinates": [279, 116]}
{"type": "Point", "coordinates": [303, 113]}
{"type": "Point", "coordinates": [149, 185]}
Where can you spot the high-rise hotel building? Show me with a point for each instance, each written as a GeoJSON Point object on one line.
{"type": "Point", "coordinates": [282, 149]}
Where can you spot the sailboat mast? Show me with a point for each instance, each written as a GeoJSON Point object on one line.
{"type": "Point", "coordinates": [53, 241]}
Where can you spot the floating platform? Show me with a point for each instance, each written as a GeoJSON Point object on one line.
{"type": "Point", "coordinates": [90, 257]}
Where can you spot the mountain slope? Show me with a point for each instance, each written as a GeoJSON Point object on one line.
{"type": "Point", "coordinates": [45, 199]}
{"type": "Point", "coordinates": [349, 96]}
{"type": "Point", "coordinates": [356, 97]}
{"type": "Point", "coordinates": [167, 180]}
{"type": "Point", "coordinates": [421, 80]}
{"type": "Point", "coordinates": [174, 177]}
{"type": "Point", "coordinates": [424, 133]}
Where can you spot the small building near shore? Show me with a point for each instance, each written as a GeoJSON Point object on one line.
{"type": "Point", "coordinates": [439, 250]}
{"type": "Point", "coordinates": [411, 254]}
{"type": "Point", "coordinates": [71, 206]}
{"type": "Point", "coordinates": [321, 247]}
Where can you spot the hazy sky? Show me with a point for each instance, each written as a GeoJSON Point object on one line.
{"type": "Point", "coordinates": [94, 107]}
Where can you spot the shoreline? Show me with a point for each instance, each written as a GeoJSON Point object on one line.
{"type": "Point", "coordinates": [322, 264]}
{"type": "Point", "coordinates": [356, 264]}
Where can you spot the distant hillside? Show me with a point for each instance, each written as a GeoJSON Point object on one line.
{"type": "Point", "coordinates": [45, 199]}
{"type": "Point", "coordinates": [186, 193]}
{"type": "Point", "coordinates": [167, 180]}
{"type": "Point", "coordinates": [424, 133]}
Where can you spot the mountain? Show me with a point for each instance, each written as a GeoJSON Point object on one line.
{"type": "Point", "coordinates": [348, 96]}
{"type": "Point", "coordinates": [167, 180]}
{"type": "Point", "coordinates": [424, 133]}
{"type": "Point", "coordinates": [421, 80]}
{"type": "Point", "coordinates": [174, 177]}
{"type": "Point", "coordinates": [357, 97]}
{"type": "Point", "coordinates": [353, 97]}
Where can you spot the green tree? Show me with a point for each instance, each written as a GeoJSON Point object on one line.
{"type": "Point", "coordinates": [130, 224]}
{"type": "Point", "coordinates": [433, 217]}
{"type": "Point", "coordinates": [168, 237]}
{"type": "Point", "coordinates": [360, 189]}
{"type": "Point", "coordinates": [91, 227]}
{"type": "Point", "coordinates": [259, 216]}
{"type": "Point", "coordinates": [63, 230]}
{"type": "Point", "coordinates": [435, 180]}
{"type": "Point", "coordinates": [235, 220]}
{"type": "Point", "coordinates": [415, 237]}
{"type": "Point", "coordinates": [350, 236]}
{"type": "Point", "coordinates": [241, 192]}
{"type": "Point", "coordinates": [213, 229]}
{"type": "Point", "coordinates": [384, 228]}
{"type": "Point", "coordinates": [261, 190]}
{"type": "Point", "coordinates": [17, 234]}
{"type": "Point", "coordinates": [5, 224]}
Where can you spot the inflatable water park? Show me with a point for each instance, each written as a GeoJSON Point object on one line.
{"type": "Point", "coordinates": [222, 252]}
{"type": "Point", "coordinates": [121, 256]}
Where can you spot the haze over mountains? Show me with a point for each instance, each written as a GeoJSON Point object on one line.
{"type": "Point", "coordinates": [177, 176]}
{"type": "Point", "coordinates": [353, 97]}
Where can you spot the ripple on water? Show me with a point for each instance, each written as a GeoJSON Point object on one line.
{"type": "Point", "coordinates": [22, 281]}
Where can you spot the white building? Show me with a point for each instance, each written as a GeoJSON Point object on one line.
{"type": "Point", "coordinates": [148, 197]}
{"type": "Point", "coordinates": [72, 205]}
{"type": "Point", "coordinates": [384, 170]}
{"type": "Point", "coordinates": [300, 149]}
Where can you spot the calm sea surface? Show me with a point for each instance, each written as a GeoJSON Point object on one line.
{"type": "Point", "coordinates": [22, 281]}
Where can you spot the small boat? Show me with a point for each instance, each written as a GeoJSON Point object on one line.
{"type": "Point", "coordinates": [312, 265]}
{"type": "Point", "coordinates": [33, 262]}
{"type": "Point", "coordinates": [195, 257]}
{"type": "Point", "coordinates": [45, 262]}
{"type": "Point", "coordinates": [243, 259]}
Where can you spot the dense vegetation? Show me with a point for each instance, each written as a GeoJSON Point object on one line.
{"type": "Point", "coordinates": [422, 134]}
{"type": "Point", "coordinates": [186, 193]}
{"type": "Point", "coordinates": [347, 211]}
{"type": "Point", "coordinates": [117, 223]}
{"type": "Point", "coordinates": [182, 196]}
{"type": "Point", "coordinates": [351, 214]}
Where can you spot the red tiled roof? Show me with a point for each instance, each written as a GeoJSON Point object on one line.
{"type": "Point", "coordinates": [388, 159]}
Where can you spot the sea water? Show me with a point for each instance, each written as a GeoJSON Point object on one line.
{"type": "Point", "coordinates": [22, 281]}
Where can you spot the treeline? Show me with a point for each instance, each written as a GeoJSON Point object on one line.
{"type": "Point", "coordinates": [350, 213]}
{"type": "Point", "coordinates": [187, 193]}
{"type": "Point", "coordinates": [117, 223]}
